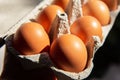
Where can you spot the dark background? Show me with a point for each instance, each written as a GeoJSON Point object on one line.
{"type": "Point", "coordinates": [107, 58]}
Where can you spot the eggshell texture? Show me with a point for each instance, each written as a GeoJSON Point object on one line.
{"type": "Point", "coordinates": [68, 52]}
{"type": "Point", "coordinates": [97, 9]}
{"type": "Point", "coordinates": [85, 27]}
{"type": "Point", "coordinates": [62, 3]}
{"type": "Point", "coordinates": [47, 16]}
{"type": "Point", "coordinates": [30, 38]}
{"type": "Point", "coordinates": [112, 4]}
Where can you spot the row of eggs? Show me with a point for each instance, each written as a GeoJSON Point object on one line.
{"type": "Point", "coordinates": [68, 51]}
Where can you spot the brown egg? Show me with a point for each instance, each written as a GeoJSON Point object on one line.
{"type": "Point", "coordinates": [31, 38]}
{"type": "Point", "coordinates": [47, 16]}
{"type": "Point", "coordinates": [85, 27]}
{"type": "Point", "coordinates": [97, 9]}
{"type": "Point", "coordinates": [69, 53]}
{"type": "Point", "coordinates": [112, 4]}
{"type": "Point", "coordinates": [61, 3]}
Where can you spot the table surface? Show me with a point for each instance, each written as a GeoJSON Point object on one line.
{"type": "Point", "coordinates": [11, 11]}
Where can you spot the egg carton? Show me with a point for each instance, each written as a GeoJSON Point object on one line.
{"type": "Point", "coordinates": [41, 60]}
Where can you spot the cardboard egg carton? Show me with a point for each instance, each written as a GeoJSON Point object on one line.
{"type": "Point", "coordinates": [41, 60]}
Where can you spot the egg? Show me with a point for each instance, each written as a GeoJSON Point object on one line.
{"type": "Point", "coordinates": [112, 4]}
{"type": "Point", "coordinates": [97, 9]}
{"type": "Point", "coordinates": [85, 27]}
{"type": "Point", "coordinates": [69, 53]}
{"type": "Point", "coordinates": [31, 38]}
{"type": "Point", "coordinates": [62, 3]}
{"type": "Point", "coordinates": [47, 15]}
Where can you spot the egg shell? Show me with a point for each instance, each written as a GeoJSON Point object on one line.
{"type": "Point", "coordinates": [112, 4]}
{"type": "Point", "coordinates": [69, 53]}
{"type": "Point", "coordinates": [97, 9]}
{"type": "Point", "coordinates": [62, 3]}
{"type": "Point", "coordinates": [30, 38]}
{"type": "Point", "coordinates": [47, 15]}
{"type": "Point", "coordinates": [85, 27]}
